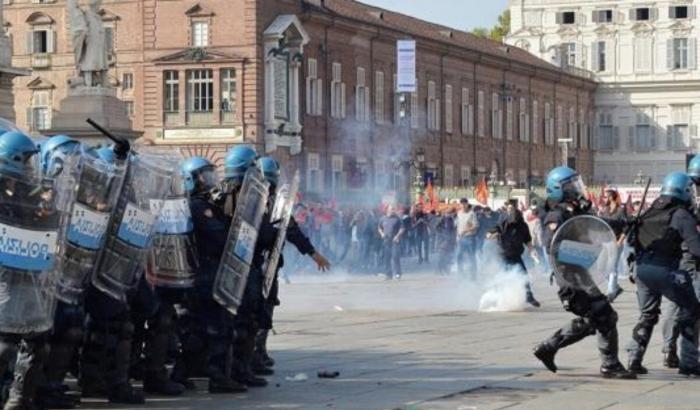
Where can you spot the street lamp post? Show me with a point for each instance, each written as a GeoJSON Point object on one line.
{"type": "Point", "coordinates": [641, 179]}
{"type": "Point", "coordinates": [565, 150]}
{"type": "Point", "coordinates": [417, 162]}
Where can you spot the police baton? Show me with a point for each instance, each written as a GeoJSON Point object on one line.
{"type": "Point", "coordinates": [121, 147]}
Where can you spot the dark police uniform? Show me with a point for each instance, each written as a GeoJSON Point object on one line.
{"type": "Point", "coordinates": [657, 241]}
{"type": "Point", "coordinates": [514, 234]}
{"type": "Point", "coordinates": [594, 312]}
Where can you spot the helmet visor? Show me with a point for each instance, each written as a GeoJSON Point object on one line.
{"type": "Point", "coordinates": [574, 187]}
{"type": "Point", "coordinates": [207, 178]}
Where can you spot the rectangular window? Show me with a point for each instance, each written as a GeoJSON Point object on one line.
{"type": "Point", "coordinates": [679, 130]}
{"type": "Point", "coordinates": [229, 92]}
{"type": "Point", "coordinates": [171, 87]}
{"type": "Point", "coordinates": [567, 54]}
{"type": "Point", "coordinates": [449, 176]}
{"type": "Point", "coordinates": [130, 108]}
{"type": "Point", "coordinates": [680, 12]}
{"type": "Point", "coordinates": [109, 40]}
{"type": "Point", "coordinates": [523, 121]}
{"type": "Point", "coordinates": [481, 115]}
{"type": "Point", "coordinates": [337, 92]}
{"type": "Point", "coordinates": [433, 107]}
{"type": "Point", "coordinates": [200, 90]}
{"type": "Point", "coordinates": [602, 16]}
{"type": "Point", "coordinates": [496, 121]}
{"type": "Point", "coordinates": [681, 53]}
{"type": "Point", "coordinates": [509, 119]}
{"type": "Point", "coordinates": [644, 138]}
{"type": "Point", "coordinates": [379, 97]}
{"type": "Point", "coordinates": [548, 138]}
{"type": "Point", "coordinates": [41, 41]}
{"type": "Point", "coordinates": [314, 176]}
{"type": "Point", "coordinates": [467, 113]}
{"type": "Point", "coordinates": [642, 54]}
{"type": "Point", "coordinates": [566, 17]}
{"type": "Point", "coordinates": [200, 34]}
{"type": "Point", "coordinates": [599, 56]}
{"type": "Point", "coordinates": [361, 97]}
{"type": "Point", "coordinates": [40, 111]}
{"type": "Point", "coordinates": [535, 122]}
{"type": "Point", "coordinates": [314, 89]}
{"type": "Point", "coordinates": [127, 81]}
{"type": "Point", "coordinates": [448, 109]}
{"type": "Point", "coordinates": [640, 14]}
{"type": "Point", "coordinates": [606, 131]}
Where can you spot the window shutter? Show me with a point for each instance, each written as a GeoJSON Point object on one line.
{"type": "Point", "coordinates": [319, 97]}
{"type": "Point", "coordinates": [653, 14]}
{"type": "Point", "coordinates": [669, 137]}
{"type": "Point", "coordinates": [595, 16]}
{"type": "Point", "coordinates": [379, 96]}
{"type": "Point", "coordinates": [692, 53]}
{"type": "Point", "coordinates": [652, 137]}
{"type": "Point", "coordinates": [672, 12]}
{"type": "Point", "coordinates": [438, 116]}
{"type": "Point", "coordinates": [594, 56]}
{"type": "Point", "coordinates": [559, 18]}
{"type": "Point", "coordinates": [30, 42]}
{"type": "Point", "coordinates": [616, 138]}
{"type": "Point", "coordinates": [669, 54]}
{"type": "Point", "coordinates": [633, 14]}
{"type": "Point", "coordinates": [30, 118]}
{"type": "Point", "coordinates": [448, 109]}
{"type": "Point", "coordinates": [309, 107]}
{"type": "Point", "coordinates": [342, 100]}
{"type": "Point", "coordinates": [50, 41]}
{"type": "Point", "coordinates": [470, 119]}
{"type": "Point", "coordinates": [691, 12]}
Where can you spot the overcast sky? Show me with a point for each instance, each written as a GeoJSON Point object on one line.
{"type": "Point", "coordinates": [458, 14]}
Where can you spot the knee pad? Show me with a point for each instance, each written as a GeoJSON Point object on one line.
{"type": "Point", "coordinates": [73, 335]}
{"type": "Point", "coordinates": [582, 325]}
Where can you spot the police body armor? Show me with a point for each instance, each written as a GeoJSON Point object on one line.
{"type": "Point", "coordinates": [99, 185]}
{"type": "Point", "coordinates": [131, 228]}
{"type": "Point", "coordinates": [652, 233]}
{"type": "Point", "coordinates": [281, 214]}
{"type": "Point", "coordinates": [232, 274]}
{"type": "Point", "coordinates": [31, 230]}
{"type": "Point", "coordinates": [173, 256]}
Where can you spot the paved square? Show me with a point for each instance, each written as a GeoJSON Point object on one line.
{"type": "Point", "coordinates": [415, 345]}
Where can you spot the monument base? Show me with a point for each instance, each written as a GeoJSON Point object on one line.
{"type": "Point", "coordinates": [98, 103]}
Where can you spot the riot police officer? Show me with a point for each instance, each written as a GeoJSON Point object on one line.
{"type": "Point", "coordinates": [209, 335]}
{"type": "Point", "coordinates": [690, 264]}
{"type": "Point", "coordinates": [657, 239]}
{"type": "Point", "coordinates": [67, 333]}
{"type": "Point", "coordinates": [262, 362]}
{"type": "Point", "coordinates": [23, 333]}
{"type": "Point", "coordinates": [565, 200]}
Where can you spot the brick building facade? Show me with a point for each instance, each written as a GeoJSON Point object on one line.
{"type": "Point", "coordinates": [311, 82]}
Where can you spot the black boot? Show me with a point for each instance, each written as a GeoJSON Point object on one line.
{"type": "Point", "coordinates": [690, 372]}
{"type": "Point", "coordinates": [56, 399]}
{"type": "Point", "coordinates": [223, 384]}
{"type": "Point", "coordinates": [635, 366]}
{"type": "Point", "coordinates": [546, 355]}
{"type": "Point", "coordinates": [126, 394]}
{"type": "Point", "coordinates": [158, 383]}
{"type": "Point", "coordinates": [31, 358]}
{"type": "Point", "coordinates": [671, 360]}
{"type": "Point", "coordinates": [617, 371]}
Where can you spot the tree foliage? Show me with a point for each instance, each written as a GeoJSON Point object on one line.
{"type": "Point", "coordinates": [497, 32]}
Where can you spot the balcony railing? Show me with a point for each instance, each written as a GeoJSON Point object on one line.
{"type": "Point", "coordinates": [228, 117]}
{"type": "Point", "coordinates": [41, 60]}
{"type": "Point", "coordinates": [171, 118]}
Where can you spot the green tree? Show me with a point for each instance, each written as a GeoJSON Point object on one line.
{"type": "Point", "coordinates": [502, 28]}
{"type": "Point", "coordinates": [497, 32]}
{"type": "Point", "coordinates": [481, 32]}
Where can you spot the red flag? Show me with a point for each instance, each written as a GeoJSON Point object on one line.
{"type": "Point", "coordinates": [482, 192]}
{"type": "Point", "coordinates": [432, 200]}
{"type": "Point", "coordinates": [629, 207]}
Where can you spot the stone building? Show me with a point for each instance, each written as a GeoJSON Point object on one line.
{"type": "Point", "coordinates": [312, 83]}
{"type": "Point", "coordinates": [644, 57]}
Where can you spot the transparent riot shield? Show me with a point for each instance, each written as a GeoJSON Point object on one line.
{"type": "Point", "coordinates": [31, 230]}
{"type": "Point", "coordinates": [98, 187]}
{"type": "Point", "coordinates": [131, 228]}
{"type": "Point", "coordinates": [232, 275]}
{"type": "Point", "coordinates": [281, 215]}
{"type": "Point", "coordinates": [582, 253]}
{"type": "Point", "coordinates": [173, 256]}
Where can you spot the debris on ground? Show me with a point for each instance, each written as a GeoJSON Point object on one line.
{"type": "Point", "coordinates": [299, 377]}
{"type": "Point", "coordinates": [325, 374]}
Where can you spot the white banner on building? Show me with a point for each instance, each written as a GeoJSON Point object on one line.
{"type": "Point", "coordinates": [405, 66]}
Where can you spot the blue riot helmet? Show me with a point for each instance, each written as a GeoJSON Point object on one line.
{"type": "Point", "coordinates": [680, 186]}
{"type": "Point", "coordinates": [16, 150]}
{"type": "Point", "coordinates": [270, 169]}
{"type": "Point", "coordinates": [563, 184]}
{"type": "Point", "coordinates": [53, 153]}
{"type": "Point", "coordinates": [237, 162]}
{"type": "Point", "coordinates": [694, 169]}
{"type": "Point", "coordinates": [199, 174]}
{"type": "Point", "coordinates": [106, 154]}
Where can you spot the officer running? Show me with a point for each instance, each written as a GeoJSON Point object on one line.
{"type": "Point", "coordinates": [565, 200]}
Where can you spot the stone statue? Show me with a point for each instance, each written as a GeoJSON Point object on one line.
{"type": "Point", "coordinates": [89, 44]}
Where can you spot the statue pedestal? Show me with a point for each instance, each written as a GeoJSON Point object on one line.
{"type": "Point", "coordinates": [98, 103]}
{"type": "Point", "coordinates": [7, 74]}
